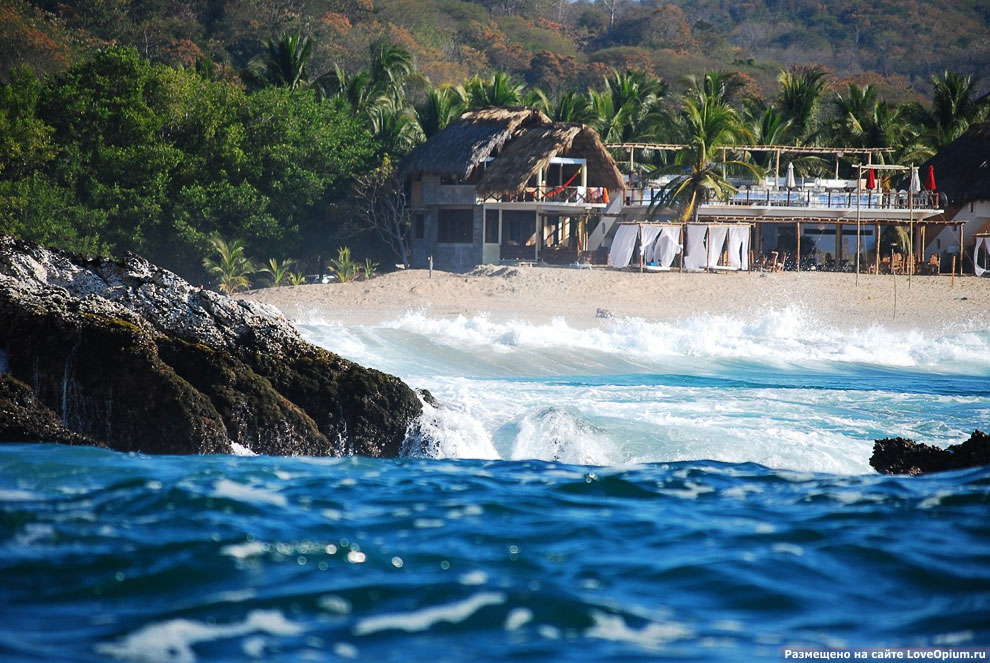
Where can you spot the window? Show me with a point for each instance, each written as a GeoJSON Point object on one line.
{"type": "Point", "coordinates": [455, 226]}
{"type": "Point", "coordinates": [419, 225]}
{"type": "Point", "coordinates": [491, 226]}
{"type": "Point", "coordinates": [518, 227]}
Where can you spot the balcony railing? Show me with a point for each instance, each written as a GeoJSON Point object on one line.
{"type": "Point", "coordinates": [814, 199]}
{"type": "Point", "coordinates": [829, 199]}
{"type": "Point", "coordinates": [572, 195]}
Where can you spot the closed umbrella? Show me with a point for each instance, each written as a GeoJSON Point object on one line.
{"type": "Point", "coordinates": [871, 180]}
{"type": "Point", "coordinates": [930, 178]}
{"type": "Point", "coordinates": [915, 181]}
{"type": "Point", "coordinates": [791, 183]}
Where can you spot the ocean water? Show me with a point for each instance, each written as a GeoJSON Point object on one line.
{"type": "Point", "coordinates": [638, 491]}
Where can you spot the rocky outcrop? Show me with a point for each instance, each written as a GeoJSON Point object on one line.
{"type": "Point", "coordinates": [898, 455]}
{"type": "Point", "coordinates": [132, 356]}
{"type": "Point", "coordinates": [23, 418]}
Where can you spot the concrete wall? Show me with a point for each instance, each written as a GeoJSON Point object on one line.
{"type": "Point", "coordinates": [434, 193]}
{"type": "Point", "coordinates": [450, 257]}
{"type": "Point", "coordinates": [976, 214]}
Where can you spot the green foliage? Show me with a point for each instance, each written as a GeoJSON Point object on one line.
{"type": "Point", "coordinates": [369, 269]}
{"type": "Point", "coordinates": [705, 126]}
{"type": "Point", "coordinates": [497, 90]}
{"type": "Point", "coordinates": [229, 267]}
{"type": "Point", "coordinates": [279, 271]}
{"type": "Point", "coordinates": [283, 62]}
{"type": "Point", "coordinates": [345, 267]}
{"type": "Point", "coordinates": [121, 154]}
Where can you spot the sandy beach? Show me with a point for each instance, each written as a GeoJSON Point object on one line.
{"type": "Point", "coordinates": [583, 296]}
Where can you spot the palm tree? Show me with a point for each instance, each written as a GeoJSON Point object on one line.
{"type": "Point", "coordinates": [572, 107]}
{"type": "Point", "coordinates": [634, 100]}
{"type": "Point", "coordinates": [718, 85]}
{"type": "Point", "coordinates": [230, 267]}
{"type": "Point", "coordinates": [393, 73]}
{"type": "Point", "coordinates": [441, 107]}
{"type": "Point", "coordinates": [953, 109]}
{"type": "Point", "coordinates": [706, 129]}
{"type": "Point", "coordinates": [800, 93]}
{"type": "Point", "coordinates": [767, 126]}
{"type": "Point", "coordinates": [863, 119]}
{"type": "Point", "coordinates": [283, 64]}
{"type": "Point", "coordinates": [357, 90]}
{"type": "Point", "coordinates": [279, 272]}
{"type": "Point", "coordinates": [394, 126]}
{"type": "Point", "coordinates": [499, 90]}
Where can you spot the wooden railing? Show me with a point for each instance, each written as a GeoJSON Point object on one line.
{"type": "Point", "coordinates": [574, 195]}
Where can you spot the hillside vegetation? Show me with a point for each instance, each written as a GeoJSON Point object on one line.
{"type": "Point", "coordinates": [215, 137]}
{"type": "Point", "coordinates": [556, 44]}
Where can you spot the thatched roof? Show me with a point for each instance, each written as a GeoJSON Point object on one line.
{"type": "Point", "coordinates": [466, 143]}
{"type": "Point", "coordinates": [962, 168]}
{"type": "Point", "coordinates": [522, 139]}
{"type": "Point", "coordinates": [534, 149]}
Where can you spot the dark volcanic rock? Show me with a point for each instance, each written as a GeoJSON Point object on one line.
{"type": "Point", "coordinates": [25, 419]}
{"type": "Point", "coordinates": [131, 355]}
{"type": "Point", "coordinates": [897, 455]}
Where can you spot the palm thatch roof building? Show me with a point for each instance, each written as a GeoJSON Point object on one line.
{"type": "Point", "coordinates": [507, 183]}
{"type": "Point", "coordinates": [962, 172]}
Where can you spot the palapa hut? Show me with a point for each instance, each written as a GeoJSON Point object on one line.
{"type": "Point", "coordinates": [507, 183]}
{"type": "Point", "coordinates": [962, 172]}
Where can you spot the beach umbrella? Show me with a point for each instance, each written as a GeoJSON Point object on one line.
{"type": "Point", "coordinates": [930, 178]}
{"type": "Point", "coordinates": [791, 183]}
{"type": "Point", "coordinates": [871, 180]}
{"type": "Point", "coordinates": [915, 181]}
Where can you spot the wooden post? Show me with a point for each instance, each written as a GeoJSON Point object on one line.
{"type": "Point", "coordinates": [876, 236]}
{"type": "Point", "coordinates": [859, 222]}
{"type": "Point", "coordinates": [642, 249]}
{"type": "Point", "coordinates": [960, 250]}
{"type": "Point", "coordinates": [923, 243]}
{"type": "Point", "coordinates": [708, 249]}
{"type": "Point", "coordinates": [953, 284]}
{"type": "Point", "coordinates": [798, 261]}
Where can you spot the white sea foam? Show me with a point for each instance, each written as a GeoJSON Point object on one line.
{"type": "Point", "coordinates": [790, 334]}
{"type": "Point", "coordinates": [772, 388]}
{"type": "Point", "coordinates": [173, 641]}
{"type": "Point", "coordinates": [651, 637]}
{"type": "Point", "coordinates": [241, 450]}
{"type": "Point", "coordinates": [421, 620]}
{"type": "Point", "coordinates": [242, 492]}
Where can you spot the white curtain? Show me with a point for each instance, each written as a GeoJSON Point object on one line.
{"type": "Point", "coordinates": [648, 242]}
{"type": "Point", "coordinates": [739, 248]}
{"type": "Point", "coordinates": [980, 241]}
{"type": "Point", "coordinates": [696, 253]}
{"type": "Point", "coordinates": [622, 246]}
{"type": "Point", "coordinates": [716, 242]}
{"type": "Point", "coordinates": [667, 246]}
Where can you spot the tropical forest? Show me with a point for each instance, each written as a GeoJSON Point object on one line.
{"type": "Point", "coordinates": [243, 143]}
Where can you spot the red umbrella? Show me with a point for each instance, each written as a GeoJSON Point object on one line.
{"type": "Point", "coordinates": [871, 180]}
{"type": "Point", "coordinates": [930, 178]}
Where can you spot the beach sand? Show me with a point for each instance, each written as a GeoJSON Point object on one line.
{"type": "Point", "coordinates": [583, 296]}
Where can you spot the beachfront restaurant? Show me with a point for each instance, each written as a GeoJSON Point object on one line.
{"type": "Point", "coordinates": [819, 223]}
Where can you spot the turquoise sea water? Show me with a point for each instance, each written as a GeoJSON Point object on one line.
{"type": "Point", "coordinates": [638, 491]}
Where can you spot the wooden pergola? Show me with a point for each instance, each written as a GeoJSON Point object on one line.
{"type": "Point", "coordinates": [776, 150]}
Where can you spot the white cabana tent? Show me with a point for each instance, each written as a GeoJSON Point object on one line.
{"type": "Point", "coordinates": [707, 243]}
{"type": "Point", "coordinates": [981, 258]}
{"type": "Point", "coordinates": [659, 243]}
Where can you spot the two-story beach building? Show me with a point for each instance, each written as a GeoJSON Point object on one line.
{"type": "Point", "coordinates": [507, 184]}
